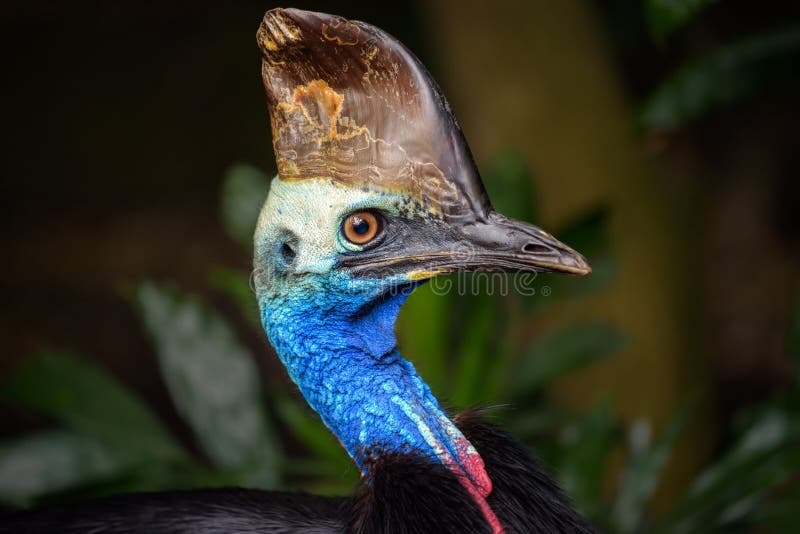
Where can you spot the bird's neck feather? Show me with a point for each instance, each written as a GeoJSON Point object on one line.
{"type": "Point", "coordinates": [341, 351]}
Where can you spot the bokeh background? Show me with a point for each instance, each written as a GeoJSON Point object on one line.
{"type": "Point", "coordinates": [657, 136]}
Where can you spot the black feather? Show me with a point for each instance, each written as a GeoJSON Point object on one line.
{"type": "Point", "coordinates": [401, 494]}
{"type": "Point", "coordinates": [405, 494]}
{"type": "Point", "coordinates": [211, 511]}
{"type": "Point", "coordinates": [524, 497]}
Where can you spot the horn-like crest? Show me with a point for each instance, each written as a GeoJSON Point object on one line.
{"type": "Point", "coordinates": [350, 103]}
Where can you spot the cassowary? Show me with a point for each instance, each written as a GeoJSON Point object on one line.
{"type": "Point", "coordinates": [376, 193]}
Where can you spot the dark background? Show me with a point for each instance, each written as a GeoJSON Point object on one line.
{"type": "Point", "coordinates": [120, 121]}
{"type": "Point", "coordinates": [121, 118]}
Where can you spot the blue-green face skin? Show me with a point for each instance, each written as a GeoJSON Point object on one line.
{"type": "Point", "coordinates": [335, 332]}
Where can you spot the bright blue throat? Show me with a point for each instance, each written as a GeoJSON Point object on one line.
{"type": "Point", "coordinates": [336, 337]}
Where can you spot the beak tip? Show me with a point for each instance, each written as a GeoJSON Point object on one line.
{"type": "Point", "coordinates": [579, 268]}
{"type": "Point", "coordinates": [570, 261]}
{"type": "Point", "coordinates": [583, 267]}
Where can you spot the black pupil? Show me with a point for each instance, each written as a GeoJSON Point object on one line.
{"type": "Point", "coordinates": [288, 253]}
{"type": "Point", "coordinates": [361, 226]}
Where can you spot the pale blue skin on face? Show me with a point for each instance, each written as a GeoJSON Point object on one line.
{"type": "Point", "coordinates": [335, 333]}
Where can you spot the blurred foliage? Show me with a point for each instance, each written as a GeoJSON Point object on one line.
{"type": "Point", "coordinates": [723, 77]}
{"type": "Point", "coordinates": [473, 348]}
{"type": "Point", "coordinates": [196, 349]}
{"type": "Point", "coordinates": [666, 16]}
{"type": "Point", "coordinates": [716, 79]}
{"type": "Point", "coordinates": [66, 389]}
{"type": "Point", "coordinates": [243, 192]}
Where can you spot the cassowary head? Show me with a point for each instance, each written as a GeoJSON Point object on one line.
{"type": "Point", "coordinates": [376, 186]}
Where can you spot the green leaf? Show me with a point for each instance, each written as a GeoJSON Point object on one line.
{"type": "Point", "coordinates": [422, 329]}
{"type": "Point", "coordinates": [474, 348]}
{"type": "Point", "coordinates": [591, 236]}
{"type": "Point", "coordinates": [84, 397]}
{"type": "Point", "coordinates": [213, 381]}
{"type": "Point", "coordinates": [721, 78]}
{"type": "Point", "coordinates": [510, 186]}
{"type": "Point", "coordinates": [55, 461]}
{"type": "Point", "coordinates": [666, 16]}
{"type": "Point", "coordinates": [583, 449]}
{"type": "Point", "coordinates": [555, 354]}
{"type": "Point", "coordinates": [236, 285]}
{"type": "Point", "coordinates": [244, 190]}
{"type": "Point", "coordinates": [730, 490]}
{"type": "Point", "coordinates": [643, 471]}
{"type": "Point", "coordinates": [503, 356]}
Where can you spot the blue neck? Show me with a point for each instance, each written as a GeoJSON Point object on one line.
{"type": "Point", "coordinates": [340, 349]}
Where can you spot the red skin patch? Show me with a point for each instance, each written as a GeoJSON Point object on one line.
{"type": "Point", "coordinates": [472, 475]}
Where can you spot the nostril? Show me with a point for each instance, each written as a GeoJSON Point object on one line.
{"type": "Point", "coordinates": [535, 248]}
{"type": "Point", "coordinates": [288, 253]}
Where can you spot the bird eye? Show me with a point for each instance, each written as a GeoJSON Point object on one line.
{"type": "Point", "coordinates": [362, 227]}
